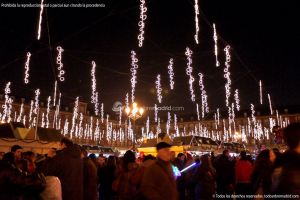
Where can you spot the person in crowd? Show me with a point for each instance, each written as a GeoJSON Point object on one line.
{"type": "Point", "coordinates": [67, 165]}
{"type": "Point", "coordinates": [205, 178]}
{"type": "Point", "coordinates": [262, 172]}
{"type": "Point", "coordinates": [287, 178]}
{"type": "Point", "coordinates": [158, 181]}
{"type": "Point", "coordinates": [15, 183]}
{"type": "Point", "coordinates": [106, 177]}
{"type": "Point", "coordinates": [243, 171]}
{"type": "Point", "coordinates": [225, 174]}
{"type": "Point", "coordinates": [180, 162]}
{"type": "Point", "coordinates": [30, 157]}
{"type": "Point", "coordinates": [278, 160]}
{"type": "Point", "coordinates": [89, 177]}
{"type": "Point", "coordinates": [126, 184]}
{"type": "Point", "coordinates": [17, 152]}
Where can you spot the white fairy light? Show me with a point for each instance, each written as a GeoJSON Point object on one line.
{"type": "Point", "coordinates": [66, 127]}
{"type": "Point", "coordinates": [205, 108]}
{"type": "Point", "coordinates": [61, 71]}
{"type": "Point", "coordinates": [7, 103]}
{"type": "Point", "coordinates": [43, 120]}
{"type": "Point", "coordinates": [253, 114]}
{"type": "Point", "coordinates": [197, 109]}
{"type": "Point", "coordinates": [218, 116]}
{"type": "Point", "coordinates": [26, 80]}
{"type": "Point", "coordinates": [120, 116]}
{"type": "Point", "coordinates": [102, 112]}
{"type": "Point", "coordinates": [155, 112]}
{"type": "Point", "coordinates": [158, 88]}
{"type": "Point", "coordinates": [189, 71]}
{"type": "Point", "coordinates": [21, 113]}
{"type": "Point", "coordinates": [57, 112]}
{"type": "Point", "coordinates": [175, 121]}
{"type": "Point", "coordinates": [260, 92]}
{"type": "Point", "coordinates": [93, 76]}
{"type": "Point", "coordinates": [270, 104]}
{"type": "Point", "coordinates": [24, 120]}
{"type": "Point", "coordinates": [147, 126]}
{"type": "Point", "coordinates": [80, 124]}
{"type": "Point", "coordinates": [216, 45]}
{"type": "Point", "coordinates": [133, 70]}
{"type": "Point", "coordinates": [31, 111]}
{"type": "Point", "coordinates": [36, 103]}
{"type": "Point", "coordinates": [40, 20]}
{"type": "Point", "coordinates": [54, 95]}
{"type": "Point", "coordinates": [168, 125]}
{"type": "Point", "coordinates": [97, 130]}
{"type": "Point", "coordinates": [48, 112]}
{"type": "Point", "coordinates": [91, 128]}
{"type": "Point", "coordinates": [127, 100]}
{"type": "Point", "coordinates": [15, 116]}
{"type": "Point", "coordinates": [141, 24]}
{"type": "Point", "coordinates": [171, 73]}
{"type": "Point", "coordinates": [96, 104]}
{"type": "Point", "coordinates": [196, 21]}
{"type": "Point", "coordinates": [237, 99]}
{"type": "Point", "coordinates": [227, 74]}
{"type": "Point", "coordinates": [158, 129]}
{"type": "Point", "coordinates": [75, 115]}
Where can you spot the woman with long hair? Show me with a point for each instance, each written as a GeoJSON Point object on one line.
{"type": "Point", "coordinates": [205, 179]}
{"type": "Point", "coordinates": [262, 172]}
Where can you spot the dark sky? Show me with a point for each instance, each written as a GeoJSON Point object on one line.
{"type": "Point", "coordinates": [263, 35]}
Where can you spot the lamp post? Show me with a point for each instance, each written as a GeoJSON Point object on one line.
{"type": "Point", "coordinates": [134, 113]}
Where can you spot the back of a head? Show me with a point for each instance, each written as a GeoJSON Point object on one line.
{"type": "Point", "coordinates": [129, 157]}
{"type": "Point", "coordinates": [148, 157]}
{"type": "Point", "coordinates": [292, 135]}
{"type": "Point", "coordinates": [263, 159]}
{"type": "Point", "coordinates": [179, 155]}
{"type": "Point", "coordinates": [243, 155]}
{"type": "Point", "coordinates": [225, 152]}
{"type": "Point", "coordinates": [68, 142]}
{"type": "Point", "coordinates": [14, 148]}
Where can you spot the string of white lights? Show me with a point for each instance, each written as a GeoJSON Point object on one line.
{"type": "Point", "coordinates": [40, 20]}
{"type": "Point", "coordinates": [237, 99]}
{"type": "Point", "coordinates": [48, 111]}
{"type": "Point", "coordinates": [171, 73]}
{"type": "Point", "coordinates": [189, 71]}
{"type": "Point", "coordinates": [61, 71]}
{"type": "Point", "coordinates": [133, 69]}
{"type": "Point", "coordinates": [196, 6]}
{"type": "Point", "coordinates": [155, 112]}
{"type": "Point", "coordinates": [216, 45]}
{"type": "Point", "coordinates": [260, 92]}
{"type": "Point", "coordinates": [158, 88]}
{"type": "Point", "coordinates": [141, 24]}
{"type": "Point", "coordinates": [270, 104]}
{"type": "Point", "coordinates": [227, 74]}
{"type": "Point", "coordinates": [26, 80]}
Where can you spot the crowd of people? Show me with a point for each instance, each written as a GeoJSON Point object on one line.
{"type": "Point", "coordinates": [71, 174]}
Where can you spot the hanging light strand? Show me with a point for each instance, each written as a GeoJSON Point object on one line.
{"type": "Point", "coordinates": [158, 88]}
{"type": "Point", "coordinates": [216, 45]}
{"type": "Point", "coordinates": [189, 71]}
{"type": "Point", "coordinates": [133, 69]}
{"type": "Point", "coordinates": [227, 74]}
{"type": "Point", "coordinates": [171, 73]}
{"type": "Point", "coordinates": [141, 24]}
{"type": "Point", "coordinates": [26, 78]}
{"type": "Point", "coordinates": [60, 65]}
{"type": "Point", "coordinates": [196, 6]}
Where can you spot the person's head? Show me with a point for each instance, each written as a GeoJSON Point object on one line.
{"type": "Point", "coordinates": [17, 151]}
{"type": "Point", "coordinates": [111, 161]}
{"type": "Point", "coordinates": [129, 157]}
{"type": "Point", "coordinates": [243, 155]}
{"type": "Point", "coordinates": [163, 151]}
{"type": "Point", "coordinates": [93, 156]}
{"type": "Point", "coordinates": [101, 160]}
{"type": "Point", "coordinates": [29, 155]}
{"type": "Point", "coordinates": [226, 153]}
{"type": "Point", "coordinates": [181, 157]}
{"type": "Point", "coordinates": [292, 136]}
{"type": "Point", "coordinates": [84, 153]}
{"type": "Point", "coordinates": [205, 162]}
{"type": "Point", "coordinates": [148, 157]}
{"type": "Point", "coordinates": [265, 159]}
{"type": "Point", "coordinates": [66, 142]}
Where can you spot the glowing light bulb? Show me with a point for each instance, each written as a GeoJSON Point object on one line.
{"type": "Point", "coordinates": [26, 80]}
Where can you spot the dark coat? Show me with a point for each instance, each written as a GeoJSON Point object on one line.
{"type": "Point", "coordinates": [67, 165]}
{"type": "Point", "coordinates": [158, 182]}
{"type": "Point", "coordinates": [289, 176]}
{"type": "Point", "coordinates": [205, 184]}
{"type": "Point", "coordinates": [225, 174]}
{"type": "Point", "coordinates": [16, 185]}
{"type": "Point", "coordinates": [89, 179]}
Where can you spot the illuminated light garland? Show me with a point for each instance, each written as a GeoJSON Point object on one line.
{"type": "Point", "coordinates": [155, 112]}
{"type": "Point", "coordinates": [127, 100]}
{"type": "Point", "coordinates": [196, 21]}
{"type": "Point", "coordinates": [15, 116]}
{"type": "Point", "coordinates": [227, 74]}
{"type": "Point", "coordinates": [40, 20]}
{"type": "Point", "coordinates": [198, 114]}
{"type": "Point", "coordinates": [57, 112]}
{"type": "Point", "coordinates": [21, 113]}
{"type": "Point", "coordinates": [24, 120]}
{"type": "Point", "coordinates": [175, 121]}
{"type": "Point", "coordinates": [54, 95]}
{"type": "Point", "coordinates": [80, 125]}
{"type": "Point", "coordinates": [253, 114]}
{"type": "Point", "coordinates": [8, 101]}
{"type": "Point", "coordinates": [168, 125]}
{"type": "Point", "coordinates": [43, 120]}
{"type": "Point", "coordinates": [237, 99]}
{"type": "Point", "coordinates": [205, 108]}
{"type": "Point", "coordinates": [93, 76]}
{"type": "Point", "coordinates": [60, 70]}
{"type": "Point", "coordinates": [75, 116]}
{"type": "Point", "coordinates": [48, 112]}
{"type": "Point", "coordinates": [66, 127]}
{"type": "Point", "coordinates": [133, 70]}
{"type": "Point", "coordinates": [141, 24]}
{"type": "Point", "coordinates": [120, 116]}
{"type": "Point", "coordinates": [36, 103]}
{"type": "Point", "coordinates": [260, 92]}
{"type": "Point", "coordinates": [189, 71]}
{"type": "Point", "coordinates": [158, 88]}
{"type": "Point", "coordinates": [216, 45]}
{"type": "Point", "coordinates": [171, 73]}
{"type": "Point", "coordinates": [31, 111]}
{"type": "Point", "coordinates": [270, 104]}
{"type": "Point", "coordinates": [91, 128]}
{"type": "Point", "coordinates": [102, 112]}
{"type": "Point", "coordinates": [158, 129]}
{"type": "Point", "coordinates": [96, 104]}
{"type": "Point", "coordinates": [218, 116]}
{"type": "Point", "coordinates": [26, 80]}
{"type": "Point", "coordinates": [97, 130]}
{"type": "Point", "coordinates": [147, 126]}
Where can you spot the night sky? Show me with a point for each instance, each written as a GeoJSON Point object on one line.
{"type": "Point", "coordinates": [263, 35]}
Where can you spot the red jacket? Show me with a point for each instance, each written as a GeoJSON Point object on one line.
{"type": "Point", "coordinates": [243, 170]}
